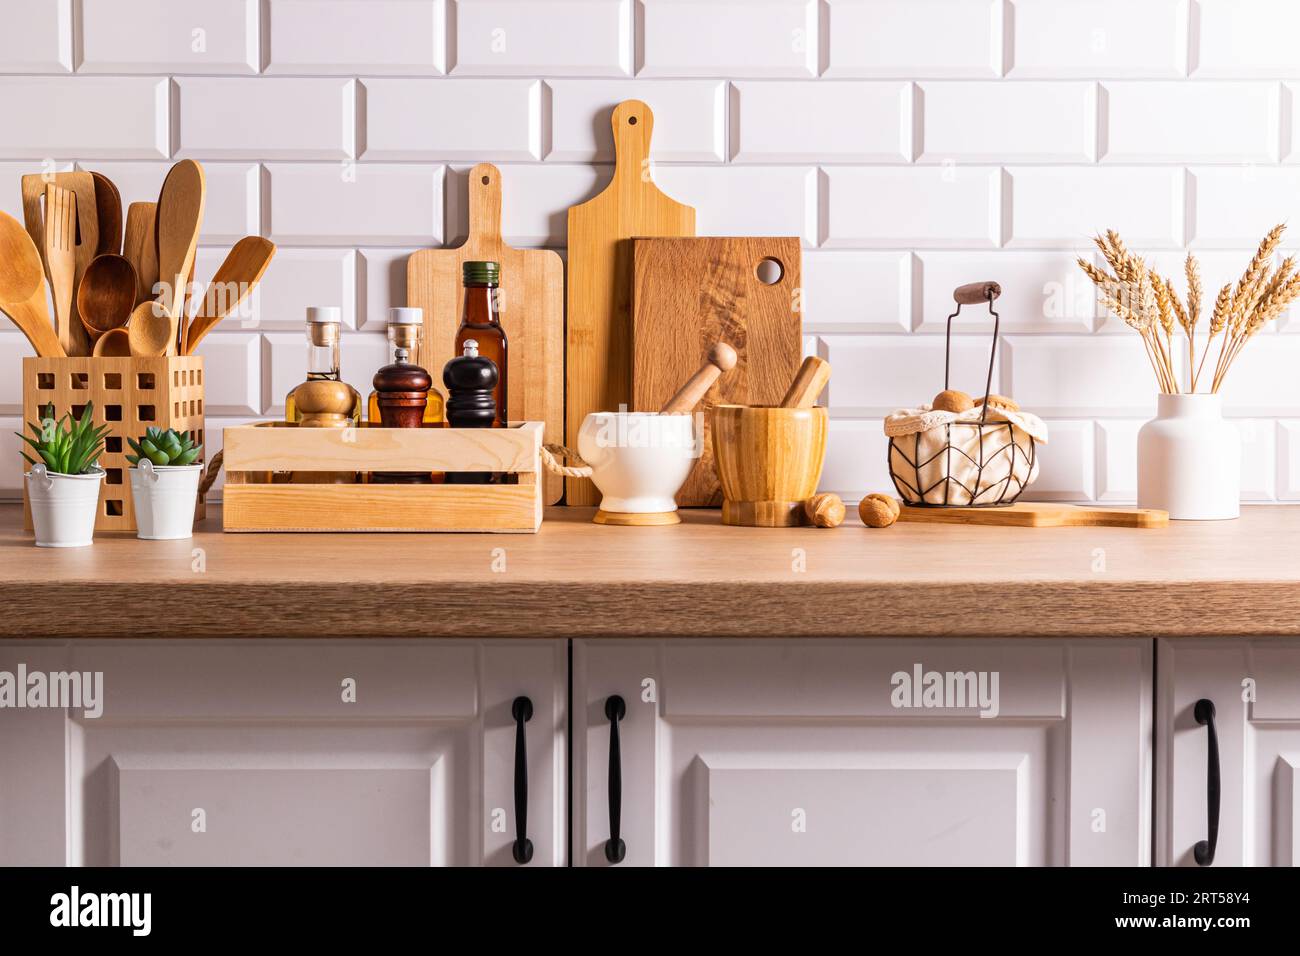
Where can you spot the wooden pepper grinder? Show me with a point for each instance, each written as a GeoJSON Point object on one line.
{"type": "Point", "coordinates": [402, 388]}
{"type": "Point", "coordinates": [470, 379]}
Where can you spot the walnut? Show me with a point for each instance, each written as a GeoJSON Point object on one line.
{"type": "Point", "coordinates": [878, 511]}
{"type": "Point", "coordinates": [1000, 401]}
{"type": "Point", "coordinates": [824, 511]}
{"type": "Point", "coordinates": [952, 400]}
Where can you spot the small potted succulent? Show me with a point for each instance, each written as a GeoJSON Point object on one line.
{"type": "Point", "coordinates": [63, 487]}
{"type": "Point", "coordinates": [164, 483]}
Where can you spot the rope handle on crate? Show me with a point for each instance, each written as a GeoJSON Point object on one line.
{"type": "Point", "coordinates": [551, 455]}
{"type": "Point", "coordinates": [210, 473]}
{"type": "Point", "coordinates": [972, 294]}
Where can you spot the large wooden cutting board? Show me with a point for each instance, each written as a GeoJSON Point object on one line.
{"type": "Point", "coordinates": [690, 293]}
{"type": "Point", "coordinates": [1039, 514]}
{"type": "Point", "coordinates": [600, 276]}
{"type": "Point", "coordinates": [530, 306]}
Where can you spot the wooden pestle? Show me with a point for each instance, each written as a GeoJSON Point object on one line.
{"type": "Point", "coordinates": [722, 357]}
{"type": "Point", "coordinates": [808, 383]}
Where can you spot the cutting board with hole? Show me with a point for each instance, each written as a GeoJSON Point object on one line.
{"type": "Point", "coordinates": [688, 294]}
{"type": "Point", "coordinates": [600, 276]}
{"type": "Point", "coordinates": [1040, 514]}
{"type": "Point", "coordinates": [530, 306]}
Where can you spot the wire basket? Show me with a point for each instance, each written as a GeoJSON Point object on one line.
{"type": "Point", "coordinates": [972, 464]}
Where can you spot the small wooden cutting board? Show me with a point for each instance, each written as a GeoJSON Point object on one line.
{"type": "Point", "coordinates": [1038, 514]}
{"type": "Point", "coordinates": [690, 293]}
{"type": "Point", "coordinates": [531, 310]}
{"type": "Point", "coordinates": [600, 276]}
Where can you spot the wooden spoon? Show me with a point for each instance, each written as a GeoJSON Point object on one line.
{"type": "Point", "coordinates": [234, 281]}
{"type": "Point", "coordinates": [150, 330]}
{"type": "Point", "coordinates": [115, 342]}
{"type": "Point", "coordinates": [107, 294]}
{"type": "Point", "coordinates": [22, 287]}
{"type": "Point", "coordinates": [180, 214]}
{"type": "Point", "coordinates": [141, 246]}
{"type": "Point", "coordinates": [108, 210]}
{"type": "Point", "coordinates": [721, 358]}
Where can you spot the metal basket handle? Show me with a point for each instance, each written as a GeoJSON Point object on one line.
{"type": "Point", "coordinates": [972, 294]}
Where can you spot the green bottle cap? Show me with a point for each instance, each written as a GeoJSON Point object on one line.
{"type": "Point", "coordinates": [481, 273]}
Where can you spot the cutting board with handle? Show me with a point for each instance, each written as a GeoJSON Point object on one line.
{"type": "Point", "coordinates": [688, 294]}
{"type": "Point", "coordinates": [530, 307]}
{"type": "Point", "coordinates": [1041, 514]}
{"type": "Point", "coordinates": [600, 277]}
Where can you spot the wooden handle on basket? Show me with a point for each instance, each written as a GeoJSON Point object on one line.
{"type": "Point", "coordinates": [975, 293]}
{"type": "Point", "coordinates": [812, 377]}
{"type": "Point", "coordinates": [721, 358]}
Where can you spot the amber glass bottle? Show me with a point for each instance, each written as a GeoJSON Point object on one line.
{"type": "Point", "coordinates": [479, 322]}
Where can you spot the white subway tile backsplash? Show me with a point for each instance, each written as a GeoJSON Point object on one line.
{"type": "Point", "coordinates": [280, 118]}
{"type": "Point", "coordinates": [12, 464]}
{"type": "Point", "coordinates": [295, 279]}
{"type": "Point", "coordinates": [1117, 459]}
{"type": "Point", "coordinates": [169, 36]}
{"type": "Point", "coordinates": [1262, 379]}
{"type": "Point", "coordinates": [37, 37]}
{"type": "Point", "coordinates": [857, 462]}
{"type": "Point", "coordinates": [356, 37]}
{"type": "Point", "coordinates": [231, 210]}
{"type": "Point", "coordinates": [1258, 459]}
{"type": "Point", "coordinates": [1191, 122]}
{"type": "Point", "coordinates": [1066, 468]}
{"type": "Point", "coordinates": [383, 286]}
{"type": "Point", "coordinates": [14, 347]}
{"type": "Point", "coordinates": [854, 291]}
{"type": "Point", "coordinates": [897, 371]}
{"type": "Point", "coordinates": [1000, 122]}
{"type": "Point", "coordinates": [453, 120]}
{"type": "Point", "coordinates": [794, 121]}
{"type": "Point", "coordinates": [948, 206]}
{"type": "Point", "coordinates": [1041, 291]}
{"type": "Point", "coordinates": [1288, 470]}
{"type": "Point", "coordinates": [690, 119]}
{"type": "Point", "coordinates": [735, 38]}
{"type": "Point", "coordinates": [1063, 207]}
{"type": "Point", "coordinates": [109, 117]}
{"type": "Point", "coordinates": [1098, 38]}
{"type": "Point", "coordinates": [535, 202]}
{"type": "Point", "coordinates": [350, 204]}
{"type": "Point", "coordinates": [1234, 206]}
{"type": "Point", "coordinates": [523, 37]}
{"type": "Point", "coordinates": [1078, 376]}
{"type": "Point", "coordinates": [232, 365]}
{"type": "Point", "coordinates": [745, 201]}
{"type": "Point", "coordinates": [1254, 39]}
{"type": "Point", "coordinates": [914, 38]}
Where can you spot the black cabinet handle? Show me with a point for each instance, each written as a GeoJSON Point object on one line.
{"type": "Point", "coordinates": [1204, 849]}
{"type": "Point", "coordinates": [615, 849]}
{"type": "Point", "coordinates": [522, 711]}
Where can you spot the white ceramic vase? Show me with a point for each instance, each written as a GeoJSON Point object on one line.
{"type": "Point", "coordinates": [63, 506]}
{"type": "Point", "coordinates": [164, 498]}
{"type": "Point", "coordinates": [1189, 460]}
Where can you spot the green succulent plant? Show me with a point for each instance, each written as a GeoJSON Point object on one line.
{"type": "Point", "coordinates": [164, 447]}
{"type": "Point", "coordinates": [68, 447]}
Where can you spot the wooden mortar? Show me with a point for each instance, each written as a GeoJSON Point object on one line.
{"type": "Point", "coordinates": [769, 461]}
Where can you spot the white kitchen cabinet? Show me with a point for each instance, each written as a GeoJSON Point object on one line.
{"type": "Point", "coordinates": [1254, 686]}
{"type": "Point", "coordinates": [740, 752]}
{"type": "Point", "coordinates": [249, 752]}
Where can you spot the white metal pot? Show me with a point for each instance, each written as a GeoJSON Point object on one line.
{"type": "Point", "coordinates": [63, 506]}
{"type": "Point", "coordinates": [164, 497]}
{"type": "Point", "coordinates": [1189, 460]}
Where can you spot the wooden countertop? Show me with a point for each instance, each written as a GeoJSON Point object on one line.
{"type": "Point", "coordinates": [577, 579]}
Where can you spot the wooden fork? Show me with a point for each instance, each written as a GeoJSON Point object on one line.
{"type": "Point", "coordinates": [60, 259]}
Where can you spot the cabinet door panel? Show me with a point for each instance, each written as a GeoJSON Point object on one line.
{"type": "Point", "coordinates": [1255, 688]}
{"type": "Point", "coordinates": [291, 753]}
{"type": "Point", "coordinates": [796, 752]}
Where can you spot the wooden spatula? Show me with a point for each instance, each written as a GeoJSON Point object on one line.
{"type": "Point", "coordinates": [140, 246]}
{"type": "Point", "coordinates": [236, 278]}
{"type": "Point", "coordinates": [180, 215]}
{"type": "Point", "coordinates": [61, 262]}
{"type": "Point", "coordinates": [108, 211]}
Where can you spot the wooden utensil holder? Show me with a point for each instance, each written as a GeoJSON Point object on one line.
{"type": "Point", "coordinates": [130, 395]}
{"type": "Point", "coordinates": [261, 459]}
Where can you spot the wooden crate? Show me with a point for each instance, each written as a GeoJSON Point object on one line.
{"type": "Point", "coordinates": [256, 454]}
{"type": "Point", "coordinates": [130, 395]}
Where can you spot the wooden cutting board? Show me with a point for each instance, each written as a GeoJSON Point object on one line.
{"type": "Point", "coordinates": [688, 294]}
{"type": "Point", "coordinates": [1037, 514]}
{"type": "Point", "coordinates": [600, 276]}
{"type": "Point", "coordinates": [530, 306]}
